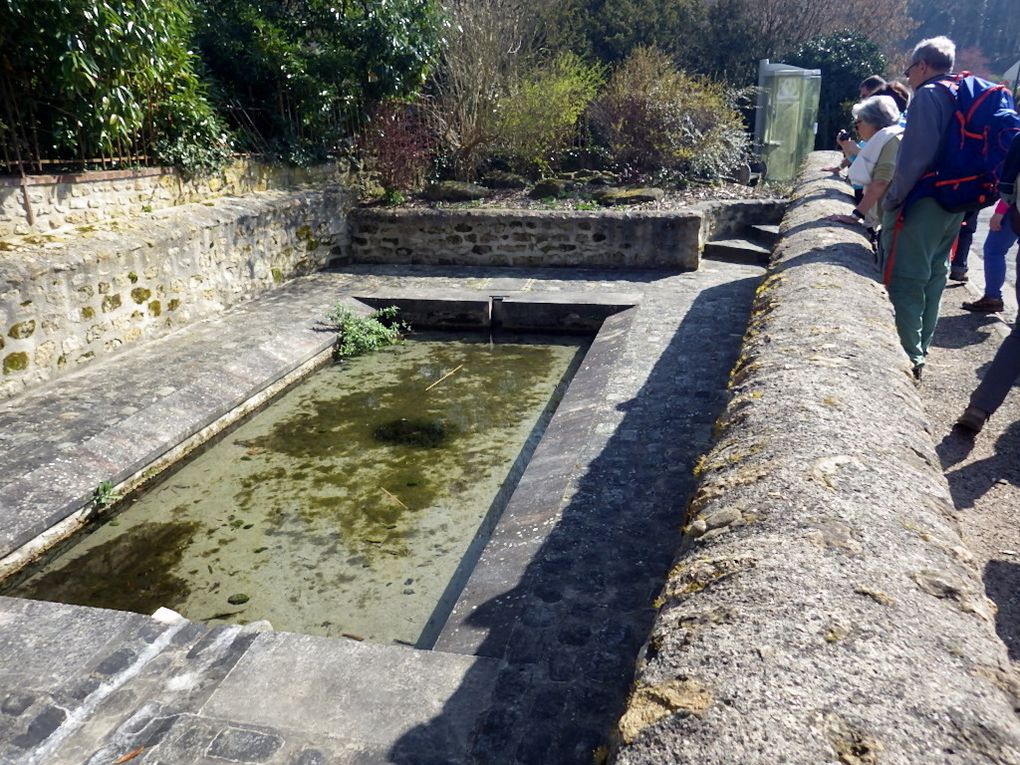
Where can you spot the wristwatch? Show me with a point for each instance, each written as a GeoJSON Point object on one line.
{"type": "Point", "coordinates": [857, 214]}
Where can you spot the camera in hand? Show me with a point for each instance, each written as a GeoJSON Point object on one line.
{"type": "Point", "coordinates": [844, 135]}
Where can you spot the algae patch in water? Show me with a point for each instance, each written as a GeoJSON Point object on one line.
{"type": "Point", "coordinates": [346, 506]}
{"type": "Point", "coordinates": [414, 432]}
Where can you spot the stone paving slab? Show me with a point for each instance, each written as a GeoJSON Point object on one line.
{"type": "Point", "coordinates": [545, 687]}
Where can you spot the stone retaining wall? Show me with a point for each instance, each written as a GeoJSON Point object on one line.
{"type": "Point", "coordinates": [527, 238]}
{"type": "Point", "coordinates": [602, 239]}
{"type": "Point", "coordinates": [66, 299]}
{"type": "Point", "coordinates": [42, 203]}
{"type": "Point", "coordinates": [824, 608]}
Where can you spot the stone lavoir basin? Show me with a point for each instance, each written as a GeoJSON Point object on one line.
{"type": "Point", "coordinates": [354, 505]}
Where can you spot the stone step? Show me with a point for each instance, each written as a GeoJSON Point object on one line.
{"type": "Point", "coordinates": [764, 234]}
{"type": "Point", "coordinates": [737, 251]}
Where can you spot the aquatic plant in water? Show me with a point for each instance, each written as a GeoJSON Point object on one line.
{"type": "Point", "coordinates": [360, 334]}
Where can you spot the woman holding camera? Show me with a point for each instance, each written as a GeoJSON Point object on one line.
{"type": "Point", "coordinates": [877, 122]}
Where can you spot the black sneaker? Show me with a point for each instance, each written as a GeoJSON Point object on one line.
{"type": "Point", "coordinates": [984, 305]}
{"type": "Point", "coordinates": [917, 371]}
{"type": "Point", "coordinates": [958, 275]}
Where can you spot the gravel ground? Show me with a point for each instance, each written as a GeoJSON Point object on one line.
{"type": "Point", "coordinates": [983, 472]}
{"type": "Point", "coordinates": [581, 199]}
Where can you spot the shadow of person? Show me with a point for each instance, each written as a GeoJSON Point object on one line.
{"type": "Point", "coordinates": [964, 330]}
{"type": "Point", "coordinates": [557, 647]}
{"type": "Point", "coordinates": [970, 483]}
{"type": "Point", "coordinates": [1002, 585]}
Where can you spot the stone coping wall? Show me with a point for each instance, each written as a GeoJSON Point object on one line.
{"type": "Point", "coordinates": [42, 203]}
{"type": "Point", "coordinates": [66, 299]}
{"type": "Point", "coordinates": [823, 608]}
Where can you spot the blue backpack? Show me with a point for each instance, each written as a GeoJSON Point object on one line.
{"type": "Point", "coordinates": [966, 173]}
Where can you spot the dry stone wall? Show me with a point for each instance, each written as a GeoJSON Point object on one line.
{"type": "Point", "coordinates": [824, 608]}
{"type": "Point", "coordinates": [42, 203]}
{"type": "Point", "coordinates": [67, 299]}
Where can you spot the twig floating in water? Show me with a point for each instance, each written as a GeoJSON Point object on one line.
{"type": "Point", "coordinates": [395, 498]}
{"type": "Point", "coordinates": [433, 385]}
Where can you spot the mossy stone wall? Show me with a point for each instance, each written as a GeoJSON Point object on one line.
{"type": "Point", "coordinates": [69, 298]}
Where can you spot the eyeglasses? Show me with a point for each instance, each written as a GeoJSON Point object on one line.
{"type": "Point", "coordinates": [906, 72]}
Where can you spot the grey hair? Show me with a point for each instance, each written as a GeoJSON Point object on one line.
{"type": "Point", "coordinates": [937, 52]}
{"type": "Point", "coordinates": [880, 111]}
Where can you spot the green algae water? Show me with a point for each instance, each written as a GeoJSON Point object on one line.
{"type": "Point", "coordinates": [344, 508]}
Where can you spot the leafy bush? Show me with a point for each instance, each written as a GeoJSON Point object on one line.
{"type": "Point", "coordinates": [539, 116]}
{"type": "Point", "coordinates": [398, 143]}
{"type": "Point", "coordinates": [295, 76]}
{"type": "Point", "coordinates": [844, 58]}
{"type": "Point", "coordinates": [654, 118]}
{"type": "Point", "coordinates": [361, 334]}
{"type": "Point", "coordinates": [101, 81]}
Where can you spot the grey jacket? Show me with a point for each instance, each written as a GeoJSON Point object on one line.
{"type": "Point", "coordinates": [931, 109]}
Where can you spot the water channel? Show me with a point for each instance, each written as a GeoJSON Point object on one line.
{"type": "Point", "coordinates": [344, 508]}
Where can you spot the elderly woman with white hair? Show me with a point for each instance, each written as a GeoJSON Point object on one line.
{"type": "Point", "coordinates": [877, 121]}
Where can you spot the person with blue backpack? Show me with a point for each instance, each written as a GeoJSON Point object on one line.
{"type": "Point", "coordinates": [955, 139]}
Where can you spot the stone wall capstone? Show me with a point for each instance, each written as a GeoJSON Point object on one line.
{"type": "Point", "coordinates": [67, 299]}
{"type": "Point", "coordinates": [824, 608]}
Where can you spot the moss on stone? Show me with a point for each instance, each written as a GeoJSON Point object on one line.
{"type": "Point", "coordinates": [88, 312]}
{"type": "Point", "coordinates": [277, 275]}
{"type": "Point", "coordinates": [104, 288]}
{"type": "Point", "coordinates": [155, 308]}
{"type": "Point", "coordinates": [110, 302]}
{"type": "Point", "coordinates": [22, 329]}
{"type": "Point", "coordinates": [140, 295]}
{"type": "Point", "coordinates": [173, 305]}
{"type": "Point", "coordinates": [133, 277]}
{"type": "Point", "coordinates": [15, 362]}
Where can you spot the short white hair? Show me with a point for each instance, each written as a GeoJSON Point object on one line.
{"type": "Point", "coordinates": [937, 52]}
{"type": "Point", "coordinates": [880, 111]}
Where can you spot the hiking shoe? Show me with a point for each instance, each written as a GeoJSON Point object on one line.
{"type": "Point", "coordinates": [958, 275]}
{"type": "Point", "coordinates": [984, 305]}
{"type": "Point", "coordinates": [917, 371]}
{"type": "Point", "coordinates": [972, 419]}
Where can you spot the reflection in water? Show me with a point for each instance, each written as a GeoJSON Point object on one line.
{"type": "Point", "coordinates": [343, 508]}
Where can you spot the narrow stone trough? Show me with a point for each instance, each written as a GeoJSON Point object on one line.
{"type": "Point", "coordinates": [538, 653]}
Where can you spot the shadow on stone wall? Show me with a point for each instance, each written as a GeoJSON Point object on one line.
{"type": "Point", "coordinates": [568, 636]}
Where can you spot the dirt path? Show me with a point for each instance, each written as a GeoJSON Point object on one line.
{"type": "Point", "coordinates": [983, 472]}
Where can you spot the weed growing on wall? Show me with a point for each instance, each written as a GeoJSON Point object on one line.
{"type": "Point", "coordinates": [361, 334]}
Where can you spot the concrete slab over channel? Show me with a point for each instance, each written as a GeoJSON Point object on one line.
{"type": "Point", "coordinates": [538, 661]}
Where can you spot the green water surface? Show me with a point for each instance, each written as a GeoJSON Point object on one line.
{"type": "Point", "coordinates": [342, 509]}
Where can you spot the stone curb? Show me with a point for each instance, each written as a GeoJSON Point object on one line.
{"type": "Point", "coordinates": [824, 608]}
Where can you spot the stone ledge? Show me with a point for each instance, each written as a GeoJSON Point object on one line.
{"type": "Point", "coordinates": [824, 608]}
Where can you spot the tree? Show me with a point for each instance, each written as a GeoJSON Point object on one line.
{"type": "Point", "coordinates": [296, 76]}
{"type": "Point", "coordinates": [487, 45]}
{"type": "Point", "coordinates": [844, 58]}
{"type": "Point", "coordinates": [991, 25]}
{"type": "Point", "coordinates": [103, 80]}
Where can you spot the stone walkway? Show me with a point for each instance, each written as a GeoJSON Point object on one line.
{"type": "Point", "coordinates": [81, 685]}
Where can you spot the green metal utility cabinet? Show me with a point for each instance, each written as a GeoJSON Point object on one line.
{"type": "Point", "coordinates": [786, 119]}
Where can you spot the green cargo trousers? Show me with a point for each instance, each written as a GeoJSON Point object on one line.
{"type": "Point", "coordinates": [915, 262]}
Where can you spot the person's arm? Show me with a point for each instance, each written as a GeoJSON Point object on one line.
{"type": "Point", "coordinates": [929, 114]}
{"type": "Point", "coordinates": [995, 222]}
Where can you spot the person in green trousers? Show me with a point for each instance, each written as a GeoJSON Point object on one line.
{"type": "Point", "coordinates": [916, 241]}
